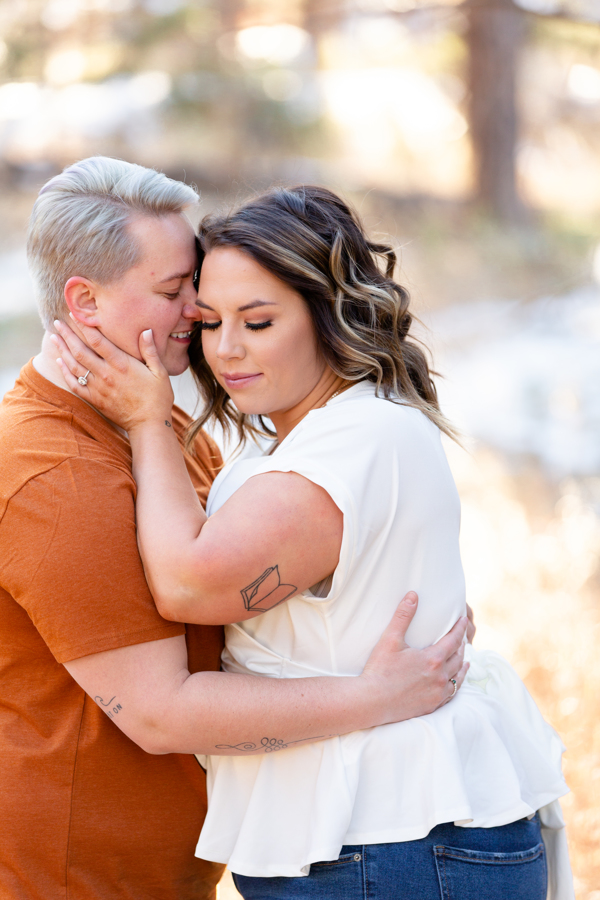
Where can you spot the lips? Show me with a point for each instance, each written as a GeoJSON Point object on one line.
{"type": "Point", "coordinates": [236, 380]}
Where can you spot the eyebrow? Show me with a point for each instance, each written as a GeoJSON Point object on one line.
{"type": "Point", "coordinates": [178, 277]}
{"type": "Point", "coordinates": [253, 305]}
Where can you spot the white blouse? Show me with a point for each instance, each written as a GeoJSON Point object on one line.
{"type": "Point", "coordinates": [487, 758]}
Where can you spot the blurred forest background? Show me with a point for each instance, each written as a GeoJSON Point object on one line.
{"type": "Point", "coordinates": [468, 132]}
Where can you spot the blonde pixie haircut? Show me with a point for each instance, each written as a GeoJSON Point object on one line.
{"type": "Point", "coordinates": [79, 225]}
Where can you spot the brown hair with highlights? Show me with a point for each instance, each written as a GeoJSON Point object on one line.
{"type": "Point", "coordinates": [312, 241]}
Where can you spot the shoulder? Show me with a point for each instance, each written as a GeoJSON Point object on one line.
{"type": "Point", "coordinates": [46, 454]}
{"type": "Point", "coordinates": [361, 418]}
{"type": "Point", "coordinates": [72, 483]}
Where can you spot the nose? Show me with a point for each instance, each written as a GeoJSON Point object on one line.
{"type": "Point", "coordinates": [190, 311]}
{"type": "Point", "coordinates": [229, 346]}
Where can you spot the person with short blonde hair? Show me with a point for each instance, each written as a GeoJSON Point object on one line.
{"type": "Point", "coordinates": [80, 224]}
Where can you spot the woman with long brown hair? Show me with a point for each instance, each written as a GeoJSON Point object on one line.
{"type": "Point", "coordinates": [303, 325]}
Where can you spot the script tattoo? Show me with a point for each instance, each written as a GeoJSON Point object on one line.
{"type": "Point", "coordinates": [267, 591]}
{"type": "Point", "coordinates": [113, 710]}
{"type": "Point", "coordinates": [168, 424]}
{"type": "Point", "coordinates": [269, 745]}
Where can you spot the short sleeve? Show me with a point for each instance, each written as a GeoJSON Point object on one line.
{"type": "Point", "coordinates": [319, 451]}
{"type": "Point", "coordinates": [69, 557]}
{"type": "Point", "coordinates": [368, 454]}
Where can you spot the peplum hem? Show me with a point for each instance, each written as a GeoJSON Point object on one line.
{"type": "Point", "coordinates": [488, 758]}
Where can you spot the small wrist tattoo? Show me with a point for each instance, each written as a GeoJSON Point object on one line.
{"type": "Point", "coordinates": [168, 424]}
{"type": "Point", "coordinates": [111, 708]}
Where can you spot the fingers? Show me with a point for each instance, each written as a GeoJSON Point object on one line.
{"type": "Point", "coordinates": [461, 674]}
{"type": "Point", "coordinates": [149, 353]}
{"type": "Point", "coordinates": [471, 627]}
{"type": "Point", "coordinates": [450, 643]}
{"type": "Point", "coordinates": [454, 662]}
{"type": "Point", "coordinates": [405, 613]}
{"type": "Point", "coordinates": [455, 683]}
{"type": "Point", "coordinates": [78, 353]}
{"type": "Point", "coordinates": [89, 338]}
{"type": "Point", "coordinates": [71, 381]}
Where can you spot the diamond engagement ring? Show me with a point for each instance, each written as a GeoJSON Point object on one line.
{"type": "Point", "coordinates": [83, 378]}
{"type": "Point", "coordinates": [453, 681]}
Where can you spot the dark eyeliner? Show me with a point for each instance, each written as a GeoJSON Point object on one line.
{"type": "Point", "coordinates": [258, 326]}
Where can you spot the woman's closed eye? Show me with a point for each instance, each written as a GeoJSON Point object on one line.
{"type": "Point", "coordinates": [251, 326]}
{"type": "Point", "coordinates": [258, 326]}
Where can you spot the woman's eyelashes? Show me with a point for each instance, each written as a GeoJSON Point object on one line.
{"type": "Point", "coordinates": [251, 326]}
{"type": "Point", "coordinates": [257, 326]}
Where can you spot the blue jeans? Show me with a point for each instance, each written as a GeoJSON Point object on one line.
{"type": "Point", "coordinates": [451, 863]}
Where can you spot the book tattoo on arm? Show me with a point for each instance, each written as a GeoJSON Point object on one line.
{"type": "Point", "coordinates": [267, 591]}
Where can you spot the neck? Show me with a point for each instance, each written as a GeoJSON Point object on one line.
{"type": "Point", "coordinates": [45, 363]}
{"type": "Point", "coordinates": [328, 385]}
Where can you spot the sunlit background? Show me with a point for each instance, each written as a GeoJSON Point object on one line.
{"type": "Point", "coordinates": [468, 132]}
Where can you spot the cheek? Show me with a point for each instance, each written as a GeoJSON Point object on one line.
{"type": "Point", "coordinates": [304, 346]}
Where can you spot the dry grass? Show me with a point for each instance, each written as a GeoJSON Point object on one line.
{"type": "Point", "coordinates": [531, 550]}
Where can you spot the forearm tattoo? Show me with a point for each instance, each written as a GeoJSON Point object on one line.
{"type": "Point", "coordinates": [267, 591]}
{"type": "Point", "coordinates": [267, 745]}
{"type": "Point", "coordinates": [110, 707]}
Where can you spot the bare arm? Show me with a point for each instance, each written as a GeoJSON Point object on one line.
{"type": "Point", "coordinates": [279, 534]}
{"type": "Point", "coordinates": [149, 693]}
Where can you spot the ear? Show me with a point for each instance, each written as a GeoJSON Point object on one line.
{"type": "Point", "coordinates": [80, 297]}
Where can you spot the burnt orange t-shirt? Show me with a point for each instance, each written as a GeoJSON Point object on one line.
{"type": "Point", "coordinates": [85, 814]}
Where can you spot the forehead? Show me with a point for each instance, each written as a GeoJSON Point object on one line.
{"type": "Point", "coordinates": [165, 243]}
{"type": "Point", "coordinates": [228, 271]}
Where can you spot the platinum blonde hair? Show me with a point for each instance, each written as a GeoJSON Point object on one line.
{"type": "Point", "coordinates": [79, 225]}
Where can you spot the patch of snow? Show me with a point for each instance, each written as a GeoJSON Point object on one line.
{"type": "Point", "coordinates": [525, 378]}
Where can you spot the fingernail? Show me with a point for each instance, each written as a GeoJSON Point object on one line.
{"type": "Point", "coordinates": [54, 340]}
{"type": "Point", "coordinates": [58, 324]}
{"type": "Point", "coordinates": [71, 316]}
{"type": "Point", "coordinates": [147, 335]}
{"type": "Point", "coordinates": [411, 598]}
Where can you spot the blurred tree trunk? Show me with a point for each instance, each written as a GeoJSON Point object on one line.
{"type": "Point", "coordinates": [229, 11]}
{"type": "Point", "coordinates": [495, 34]}
{"type": "Point", "coordinates": [322, 15]}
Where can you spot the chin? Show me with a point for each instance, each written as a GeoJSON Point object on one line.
{"type": "Point", "coordinates": [177, 368]}
{"type": "Point", "coordinates": [253, 409]}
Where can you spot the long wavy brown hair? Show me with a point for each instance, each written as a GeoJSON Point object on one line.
{"type": "Point", "coordinates": [312, 241]}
